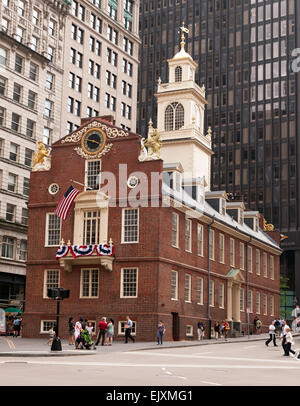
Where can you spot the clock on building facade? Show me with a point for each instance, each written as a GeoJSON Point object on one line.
{"type": "Point", "coordinates": [93, 141]}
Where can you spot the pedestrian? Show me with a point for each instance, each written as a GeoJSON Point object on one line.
{"type": "Point", "coordinates": [128, 330]}
{"type": "Point", "coordinates": [160, 332]}
{"type": "Point", "coordinates": [288, 343]}
{"type": "Point", "coordinates": [258, 326]}
{"type": "Point", "coordinates": [17, 327]}
{"type": "Point", "coordinates": [272, 333]}
{"type": "Point", "coordinates": [217, 329]}
{"type": "Point", "coordinates": [277, 326]}
{"type": "Point", "coordinates": [83, 324]}
{"type": "Point", "coordinates": [71, 325]}
{"type": "Point", "coordinates": [283, 334]}
{"type": "Point", "coordinates": [110, 332]}
{"type": "Point", "coordinates": [200, 330]}
{"type": "Point", "coordinates": [226, 329]}
{"type": "Point", "coordinates": [90, 329]}
{"type": "Point", "coordinates": [102, 331]}
{"type": "Point", "coordinates": [254, 324]}
{"type": "Point", "coordinates": [77, 330]}
{"type": "Point", "coordinates": [51, 334]}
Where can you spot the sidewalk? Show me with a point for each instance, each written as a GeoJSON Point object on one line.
{"type": "Point", "coordinates": [36, 347]}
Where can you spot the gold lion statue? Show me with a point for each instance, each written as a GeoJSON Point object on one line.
{"type": "Point", "coordinates": [40, 155]}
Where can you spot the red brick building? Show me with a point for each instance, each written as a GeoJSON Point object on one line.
{"type": "Point", "coordinates": [182, 254]}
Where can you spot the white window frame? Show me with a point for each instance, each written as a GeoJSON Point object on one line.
{"type": "Point", "coordinates": [249, 260]}
{"type": "Point", "coordinates": [188, 289]}
{"type": "Point", "coordinates": [189, 332]}
{"type": "Point", "coordinates": [250, 301]}
{"type": "Point", "coordinates": [46, 286]}
{"type": "Point", "coordinates": [272, 264]}
{"type": "Point", "coordinates": [42, 331]}
{"type": "Point", "coordinates": [271, 305]}
{"type": "Point", "coordinates": [242, 299]}
{"type": "Point", "coordinates": [122, 296]}
{"type": "Point", "coordinates": [120, 328]}
{"type": "Point", "coordinates": [188, 237]}
{"type": "Point", "coordinates": [212, 245]}
{"type": "Point", "coordinates": [200, 291]}
{"type": "Point", "coordinates": [257, 302]}
{"type": "Point", "coordinates": [177, 230]}
{"type": "Point", "coordinates": [265, 304]}
{"type": "Point", "coordinates": [265, 264]}
{"type": "Point", "coordinates": [123, 226]}
{"type": "Point", "coordinates": [47, 231]}
{"type": "Point", "coordinates": [175, 286]}
{"type": "Point", "coordinates": [211, 293]}
{"type": "Point", "coordinates": [222, 248]}
{"type": "Point", "coordinates": [200, 240]}
{"type": "Point", "coordinates": [90, 283]}
{"type": "Point", "coordinates": [242, 256]}
{"type": "Point", "coordinates": [87, 176]}
{"type": "Point", "coordinates": [221, 295]}
{"type": "Point", "coordinates": [257, 262]}
{"type": "Point", "coordinates": [231, 243]}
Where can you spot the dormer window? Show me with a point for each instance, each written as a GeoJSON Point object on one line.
{"type": "Point", "coordinates": [174, 117]}
{"type": "Point", "coordinates": [222, 207]}
{"type": "Point", "coordinates": [173, 180]}
{"type": "Point", "coordinates": [178, 74]}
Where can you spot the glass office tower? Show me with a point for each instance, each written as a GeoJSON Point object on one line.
{"type": "Point", "coordinates": [245, 53]}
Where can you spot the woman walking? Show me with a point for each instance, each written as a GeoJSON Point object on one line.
{"type": "Point", "coordinates": [226, 329]}
{"type": "Point", "coordinates": [272, 332]}
{"type": "Point", "coordinates": [160, 332]}
{"type": "Point", "coordinates": [288, 343]}
{"type": "Point", "coordinates": [110, 332]}
{"type": "Point", "coordinates": [71, 330]}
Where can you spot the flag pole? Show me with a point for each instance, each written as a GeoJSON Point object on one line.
{"type": "Point", "coordinates": [82, 184]}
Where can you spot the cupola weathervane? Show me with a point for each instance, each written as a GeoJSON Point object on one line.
{"type": "Point", "coordinates": [183, 30]}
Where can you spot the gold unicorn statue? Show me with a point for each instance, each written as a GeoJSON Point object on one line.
{"type": "Point", "coordinates": [41, 157]}
{"type": "Point", "coordinates": [152, 142]}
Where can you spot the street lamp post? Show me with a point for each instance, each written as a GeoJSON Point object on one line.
{"type": "Point", "coordinates": [57, 294]}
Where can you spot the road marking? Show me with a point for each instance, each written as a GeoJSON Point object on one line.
{"type": "Point", "coordinates": [214, 357]}
{"type": "Point", "coordinates": [129, 364]}
{"type": "Point", "coordinates": [250, 346]}
{"type": "Point", "coordinates": [211, 383]}
{"type": "Point", "coordinates": [203, 353]}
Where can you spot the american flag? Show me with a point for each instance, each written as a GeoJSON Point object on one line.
{"type": "Point", "coordinates": [63, 207]}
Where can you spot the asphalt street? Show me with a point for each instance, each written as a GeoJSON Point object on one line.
{"type": "Point", "coordinates": [248, 363]}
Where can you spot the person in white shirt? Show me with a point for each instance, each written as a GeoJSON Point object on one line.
{"type": "Point", "coordinates": [288, 343]}
{"type": "Point", "coordinates": [283, 334]}
{"type": "Point", "coordinates": [272, 329]}
{"type": "Point", "coordinates": [78, 328]}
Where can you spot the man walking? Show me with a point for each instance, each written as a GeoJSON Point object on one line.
{"type": "Point", "coordinates": [128, 330]}
{"type": "Point", "coordinates": [283, 334]}
{"type": "Point", "coordinates": [272, 335]}
{"type": "Point", "coordinates": [200, 330]}
{"type": "Point", "coordinates": [102, 331]}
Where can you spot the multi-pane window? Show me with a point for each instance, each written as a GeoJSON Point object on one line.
{"type": "Point", "coordinates": [10, 212]}
{"type": "Point", "coordinates": [121, 328]}
{"type": "Point", "coordinates": [271, 267]}
{"type": "Point", "coordinates": [51, 280]}
{"type": "Point", "coordinates": [2, 116]}
{"type": "Point", "coordinates": [222, 245]}
{"type": "Point", "coordinates": [17, 93]}
{"type": "Point", "coordinates": [32, 97]}
{"type": "Point", "coordinates": [52, 27]}
{"type": "Point", "coordinates": [23, 250]}
{"type": "Point", "coordinates": [12, 182]}
{"type": "Point", "coordinates": [93, 174]}
{"type": "Point", "coordinates": [211, 244]}
{"type": "Point", "coordinates": [231, 252]}
{"type": "Point", "coordinates": [257, 302]}
{"type": "Point", "coordinates": [242, 255]}
{"type": "Point", "coordinates": [178, 74]}
{"type": "Point", "coordinates": [199, 291]}
{"type": "Point", "coordinates": [89, 283]}
{"type": "Point", "coordinates": [19, 34]}
{"type": "Point", "coordinates": [271, 305]}
{"type": "Point", "coordinates": [26, 186]}
{"type": "Point", "coordinates": [174, 117]}
{"type": "Point", "coordinates": [3, 83]}
{"type": "Point", "coordinates": [200, 239]}
{"type": "Point", "coordinates": [249, 259]}
{"type": "Point", "coordinates": [129, 282]}
{"type": "Point", "coordinates": [33, 71]}
{"type": "Point", "coordinates": [175, 226]}
{"type": "Point", "coordinates": [174, 285]}
{"type": "Point", "coordinates": [91, 227]}
{"type": "Point", "coordinates": [3, 56]}
{"type": "Point", "coordinates": [211, 293]}
{"type": "Point", "coordinates": [8, 247]}
{"type": "Point", "coordinates": [49, 81]}
{"type": "Point", "coordinates": [13, 152]}
{"type": "Point", "coordinates": [50, 53]}
{"type": "Point", "coordinates": [24, 217]}
{"type": "Point", "coordinates": [53, 228]}
{"type": "Point", "coordinates": [130, 225]}
{"type": "Point", "coordinates": [35, 17]}
{"type": "Point", "coordinates": [221, 295]}
{"type": "Point", "coordinates": [28, 157]}
{"type": "Point", "coordinates": [21, 8]}
{"type": "Point", "coordinates": [188, 288]}
{"type": "Point", "coordinates": [113, 8]}
{"type": "Point", "coordinates": [250, 301]}
{"type": "Point", "coordinates": [265, 265]}
{"type": "Point", "coordinates": [30, 128]}
{"type": "Point", "coordinates": [48, 108]}
{"type": "Point", "coordinates": [188, 235]}
{"type": "Point", "coordinates": [265, 304]}
{"type": "Point", "coordinates": [242, 299]}
{"type": "Point", "coordinates": [257, 262]}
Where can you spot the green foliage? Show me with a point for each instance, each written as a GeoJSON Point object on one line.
{"type": "Point", "coordinates": [284, 283]}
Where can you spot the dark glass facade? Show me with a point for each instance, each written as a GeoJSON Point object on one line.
{"type": "Point", "coordinates": [244, 50]}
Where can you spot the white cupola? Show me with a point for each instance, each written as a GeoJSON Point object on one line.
{"type": "Point", "coordinates": [180, 117]}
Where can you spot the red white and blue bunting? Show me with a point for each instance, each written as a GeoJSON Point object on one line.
{"type": "Point", "coordinates": [85, 250]}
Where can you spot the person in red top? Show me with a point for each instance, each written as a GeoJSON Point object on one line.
{"type": "Point", "coordinates": [102, 331]}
